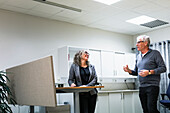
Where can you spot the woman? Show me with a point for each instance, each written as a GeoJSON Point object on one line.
{"type": "Point", "coordinates": [83, 74]}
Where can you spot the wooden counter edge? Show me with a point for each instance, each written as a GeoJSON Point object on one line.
{"type": "Point", "coordinates": [80, 87]}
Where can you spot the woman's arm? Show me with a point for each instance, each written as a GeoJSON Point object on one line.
{"type": "Point", "coordinates": [71, 80]}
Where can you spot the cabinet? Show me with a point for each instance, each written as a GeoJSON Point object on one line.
{"type": "Point", "coordinates": [130, 60]}
{"type": "Point", "coordinates": [107, 63]}
{"type": "Point", "coordinates": [102, 105]}
{"type": "Point", "coordinates": [119, 63]}
{"type": "Point", "coordinates": [113, 62]}
{"type": "Point", "coordinates": [115, 103]}
{"type": "Point", "coordinates": [128, 102]}
{"type": "Point", "coordinates": [66, 57]}
{"type": "Point", "coordinates": [119, 102]}
{"type": "Point", "coordinates": [95, 59]}
{"type": "Point", "coordinates": [137, 104]}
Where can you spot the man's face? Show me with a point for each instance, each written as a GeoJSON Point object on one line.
{"type": "Point", "coordinates": [140, 45]}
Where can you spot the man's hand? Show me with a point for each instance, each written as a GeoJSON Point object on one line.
{"type": "Point", "coordinates": [126, 69]}
{"type": "Point", "coordinates": [144, 73]}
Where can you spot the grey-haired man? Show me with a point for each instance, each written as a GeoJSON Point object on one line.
{"type": "Point", "coordinates": [149, 66]}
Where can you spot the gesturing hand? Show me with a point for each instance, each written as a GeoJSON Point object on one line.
{"type": "Point", "coordinates": [126, 69]}
{"type": "Point", "coordinates": [143, 73]}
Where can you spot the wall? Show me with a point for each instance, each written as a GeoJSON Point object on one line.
{"type": "Point", "coordinates": [157, 35]}
{"type": "Point", "coordinates": [24, 38]}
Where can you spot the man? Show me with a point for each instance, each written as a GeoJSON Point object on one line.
{"type": "Point", "coordinates": [149, 66]}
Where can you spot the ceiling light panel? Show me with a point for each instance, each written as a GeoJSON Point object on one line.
{"type": "Point", "coordinates": [107, 2]}
{"type": "Point", "coordinates": [155, 23]}
{"type": "Point", "coordinates": [141, 20]}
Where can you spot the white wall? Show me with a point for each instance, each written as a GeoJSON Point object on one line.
{"type": "Point", "coordinates": [157, 35]}
{"type": "Point", "coordinates": [24, 38]}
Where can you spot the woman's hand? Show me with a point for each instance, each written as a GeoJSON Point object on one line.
{"type": "Point", "coordinates": [73, 85]}
{"type": "Point", "coordinates": [83, 86]}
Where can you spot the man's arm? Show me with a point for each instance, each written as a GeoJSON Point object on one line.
{"type": "Point", "coordinates": [160, 64]}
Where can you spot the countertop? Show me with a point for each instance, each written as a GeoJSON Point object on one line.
{"type": "Point", "coordinates": [117, 91]}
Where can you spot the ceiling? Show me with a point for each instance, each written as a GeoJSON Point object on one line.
{"type": "Point", "coordinates": [96, 15]}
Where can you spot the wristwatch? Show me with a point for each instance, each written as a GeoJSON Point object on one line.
{"type": "Point", "coordinates": [150, 72]}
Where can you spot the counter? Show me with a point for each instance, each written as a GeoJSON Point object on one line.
{"type": "Point", "coordinates": [117, 91]}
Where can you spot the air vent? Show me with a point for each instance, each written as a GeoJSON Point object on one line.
{"type": "Point", "coordinates": [58, 5]}
{"type": "Point", "coordinates": [155, 23]}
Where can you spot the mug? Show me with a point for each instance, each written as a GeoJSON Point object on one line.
{"type": "Point", "coordinates": [60, 85]}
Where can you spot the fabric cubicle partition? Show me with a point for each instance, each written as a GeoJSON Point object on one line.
{"type": "Point", "coordinates": [33, 83]}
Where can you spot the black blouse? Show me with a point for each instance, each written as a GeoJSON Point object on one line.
{"type": "Point", "coordinates": [84, 73]}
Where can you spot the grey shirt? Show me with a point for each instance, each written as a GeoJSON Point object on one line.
{"type": "Point", "coordinates": [152, 60]}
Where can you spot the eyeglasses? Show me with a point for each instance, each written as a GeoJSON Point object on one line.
{"type": "Point", "coordinates": [86, 53]}
{"type": "Point", "coordinates": [139, 42]}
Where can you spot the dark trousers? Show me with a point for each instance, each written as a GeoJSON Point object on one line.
{"type": "Point", "coordinates": [87, 102]}
{"type": "Point", "coordinates": [148, 97]}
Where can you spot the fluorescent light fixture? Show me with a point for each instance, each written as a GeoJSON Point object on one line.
{"type": "Point", "coordinates": [107, 2]}
{"type": "Point", "coordinates": [58, 5]}
{"type": "Point", "coordinates": [141, 20]}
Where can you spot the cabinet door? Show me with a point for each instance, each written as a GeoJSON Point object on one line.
{"type": "Point", "coordinates": [107, 59]}
{"type": "Point", "coordinates": [66, 97]}
{"type": "Point", "coordinates": [137, 104]}
{"type": "Point", "coordinates": [102, 105]}
{"type": "Point", "coordinates": [119, 63]}
{"type": "Point", "coordinates": [115, 103]}
{"type": "Point", "coordinates": [66, 57]}
{"type": "Point", "coordinates": [128, 103]}
{"type": "Point", "coordinates": [63, 62]}
{"type": "Point", "coordinates": [95, 59]}
{"type": "Point", "coordinates": [130, 60]}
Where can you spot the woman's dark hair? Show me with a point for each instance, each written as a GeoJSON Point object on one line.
{"type": "Point", "coordinates": [77, 57]}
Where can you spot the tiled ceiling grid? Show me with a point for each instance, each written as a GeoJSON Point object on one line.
{"type": "Point", "coordinates": [97, 15]}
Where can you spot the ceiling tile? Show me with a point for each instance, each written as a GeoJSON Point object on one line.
{"type": "Point", "coordinates": [60, 18]}
{"type": "Point", "coordinates": [89, 5]}
{"type": "Point", "coordinates": [146, 8]}
{"type": "Point", "coordinates": [47, 8]}
{"type": "Point", "coordinates": [26, 4]}
{"type": "Point", "coordinates": [70, 14]}
{"type": "Point", "coordinates": [12, 8]}
{"type": "Point", "coordinates": [161, 14]}
{"type": "Point", "coordinates": [85, 5]}
{"type": "Point", "coordinates": [66, 2]}
{"type": "Point", "coordinates": [108, 11]}
{"type": "Point", "coordinates": [38, 13]}
{"type": "Point", "coordinates": [126, 15]}
{"type": "Point", "coordinates": [107, 21]}
{"type": "Point", "coordinates": [80, 22]}
{"type": "Point", "coordinates": [88, 18]}
{"type": "Point", "coordinates": [163, 3]}
{"type": "Point", "coordinates": [94, 14]}
{"type": "Point", "coordinates": [129, 4]}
